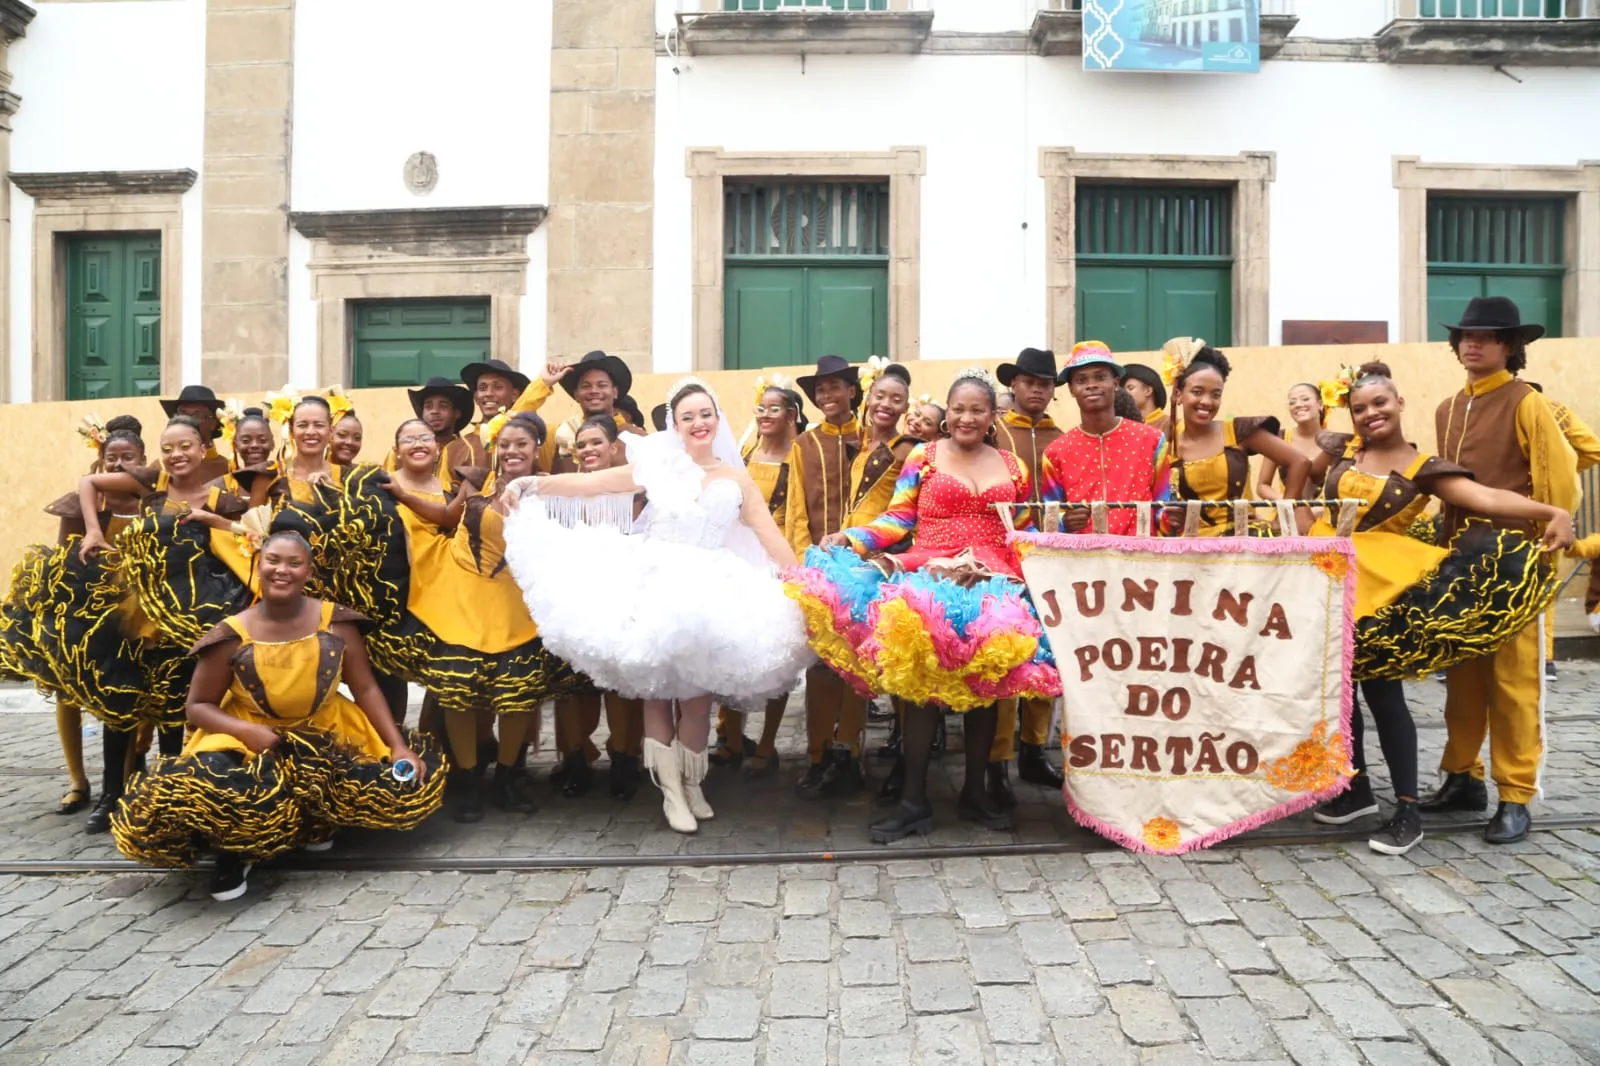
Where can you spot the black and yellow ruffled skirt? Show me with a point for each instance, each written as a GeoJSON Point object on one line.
{"type": "Point", "coordinates": [1489, 586]}
{"type": "Point", "coordinates": [75, 630]}
{"type": "Point", "coordinates": [180, 585]}
{"type": "Point", "coordinates": [259, 806]}
{"type": "Point", "coordinates": [360, 552]}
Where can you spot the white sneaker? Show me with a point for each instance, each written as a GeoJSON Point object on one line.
{"type": "Point", "coordinates": [321, 845]}
{"type": "Point", "coordinates": [662, 762]}
{"type": "Point", "coordinates": [228, 880]}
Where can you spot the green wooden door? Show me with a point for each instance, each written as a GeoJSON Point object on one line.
{"type": "Point", "coordinates": [405, 342]}
{"type": "Point", "coordinates": [1154, 263]}
{"type": "Point", "coordinates": [113, 317]}
{"type": "Point", "coordinates": [1495, 247]}
{"type": "Point", "coordinates": [806, 272]}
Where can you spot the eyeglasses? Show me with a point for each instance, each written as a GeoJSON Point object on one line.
{"type": "Point", "coordinates": [776, 411]}
{"type": "Point", "coordinates": [425, 438]}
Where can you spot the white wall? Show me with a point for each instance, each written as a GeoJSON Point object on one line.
{"type": "Point", "coordinates": [376, 80]}
{"type": "Point", "coordinates": [1334, 126]}
{"type": "Point", "coordinates": [106, 86]}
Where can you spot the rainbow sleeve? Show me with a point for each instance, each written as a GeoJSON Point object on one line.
{"type": "Point", "coordinates": [897, 522]}
{"type": "Point", "coordinates": [1161, 482]}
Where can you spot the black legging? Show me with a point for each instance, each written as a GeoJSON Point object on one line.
{"type": "Point", "coordinates": [117, 747]}
{"type": "Point", "coordinates": [1397, 733]}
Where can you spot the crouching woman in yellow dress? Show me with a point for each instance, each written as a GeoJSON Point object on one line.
{"type": "Point", "coordinates": [276, 757]}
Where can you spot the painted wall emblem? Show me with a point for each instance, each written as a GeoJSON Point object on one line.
{"type": "Point", "coordinates": [422, 172]}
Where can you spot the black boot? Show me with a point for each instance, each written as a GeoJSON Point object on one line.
{"type": "Point", "coordinates": [508, 793]}
{"type": "Point", "coordinates": [823, 779]}
{"type": "Point", "coordinates": [1460, 792]}
{"type": "Point", "coordinates": [894, 785]}
{"type": "Point", "coordinates": [1034, 767]}
{"type": "Point", "coordinates": [908, 818]}
{"type": "Point", "coordinates": [997, 782]}
{"type": "Point", "coordinates": [624, 777]}
{"type": "Point", "coordinates": [99, 820]}
{"type": "Point", "coordinates": [576, 774]}
{"type": "Point", "coordinates": [891, 747]}
{"type": "Point", "coordinates": [488, 753]}
{"type": "Point", "coordinates": [846, 778]}
{"type": "Point", "coordinates": [1509, 824]}
{"type": "Point", "coordinates": [469, 795]}
{"type": "Point", "coordinates": [976, 806]}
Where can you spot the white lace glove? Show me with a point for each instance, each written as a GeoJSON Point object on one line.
{"type": "Point", "coordinates": [519, 488]}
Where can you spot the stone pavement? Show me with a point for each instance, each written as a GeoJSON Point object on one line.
{"type": "Point", "coordinates": [1317, 954]}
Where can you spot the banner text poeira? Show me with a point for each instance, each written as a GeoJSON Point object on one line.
{"type": "Point", "coordinates": [1204, 681]}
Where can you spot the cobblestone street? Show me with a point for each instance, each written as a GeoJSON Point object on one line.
{"type": "Point", "coordinates": [1321, 954]}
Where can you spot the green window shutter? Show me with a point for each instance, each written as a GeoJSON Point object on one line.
{"type": "Point", "coordinates": [848, 219]}
{"type": "Point", "coordinates": [405, 342]}
{"type": "Point", "coordinates": [1154, 262]}
{"type": "Point", "coordinates": [1484, 246]}
{"type": "Point", "coordinates": [113, 317]}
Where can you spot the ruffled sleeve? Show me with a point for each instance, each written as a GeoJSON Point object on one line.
{"type": "Point", "coordinates": [1245, 428]}
{"type": "Point", "coordinates": [355, 618]}
{"type": "Point", "coordinates": [220, 633]}
{"type": "Point", "coordinates": [1433, 468]}
{"type": "Point", "coordinates": [897, 522]}
{"type": "Point", "coordinates": [1337, 445]}
{"type": "Point", "coordinates": [65, 506]}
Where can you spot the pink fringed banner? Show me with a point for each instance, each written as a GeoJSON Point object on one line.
{"type": "Point", "coordinates": [1205, 681]}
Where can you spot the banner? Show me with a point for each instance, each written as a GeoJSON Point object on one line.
{"type": "Point", "coordinates": [1172, 36]}
{"type": "Point", "coordinates": [1205, 682]}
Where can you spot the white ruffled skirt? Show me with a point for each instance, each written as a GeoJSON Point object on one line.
{"type": "Point", "coordinates": [655, 619]}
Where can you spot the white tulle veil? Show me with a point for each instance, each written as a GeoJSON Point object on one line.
{"type": "Point", "coordinates": [667, 449]}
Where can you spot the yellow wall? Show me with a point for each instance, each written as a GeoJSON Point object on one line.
{"type": "Point", "coordinates": [48, 455]}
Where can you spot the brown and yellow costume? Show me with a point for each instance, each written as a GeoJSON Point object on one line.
{"type": "Point", "coordinates": [330, 770]}
{"type": "Point", "coordinates": [1503, 694]}
{"type": "Point", "coordinates": [1223, 476]}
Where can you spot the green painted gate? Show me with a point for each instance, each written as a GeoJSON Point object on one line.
{"type": "Point", "coordinates": [113, 317]}
{"type": "Point", "coordinates": [806, 272]}
{"type": "Point", "coordinates": [405, 342]}
{"type": "Point", "coordinates": [1495, 247]}
{"type": "Point", "coordinates": [1154, 263]}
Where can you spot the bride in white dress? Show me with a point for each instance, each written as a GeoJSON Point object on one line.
{"type": "Point", "coordinates": [689, 608]}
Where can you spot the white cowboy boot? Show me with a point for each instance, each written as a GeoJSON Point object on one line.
{"type": "Point", "coordinates": [662, 762]}
{"type": "Point", "coordinates": [694, 764]}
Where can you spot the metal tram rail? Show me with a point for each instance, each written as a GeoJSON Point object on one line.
{"type": "Point", "coordinates": [1083, 844]}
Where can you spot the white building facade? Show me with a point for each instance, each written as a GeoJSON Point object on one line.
{"type": "Point", "coordinates": [372, 191]}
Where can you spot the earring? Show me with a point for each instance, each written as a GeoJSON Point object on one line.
{"type": "Point", "coordinates": [944, 427]}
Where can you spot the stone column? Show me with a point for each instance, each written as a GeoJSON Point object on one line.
{"type": "Point", "coordinates": [244, 251]}
{"type": "Point", "coordinates": [602, 181]}
{"type": "Point", "coordinates": [14, 19]}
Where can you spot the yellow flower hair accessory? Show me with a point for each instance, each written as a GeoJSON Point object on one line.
{"type": "Point", "coordinates": [339, 404]}
{"type": "Point", "coordinates": [926, 399]}
{"type": "Point", "coordinates": [776, 381]}
{"type": "Point", "coordinates": [228, 418]}
{"type": "Point", "coordinates": [490, 431]}
{"type": "Point", "coordinates": [281, 404]}
{"type": "Point", "coordinates": [93, 432]}
{"type": "Point", "coordinates": [871, 371]}
{"type": "Point", "coordinates": [1336, 390]}
{"type": "Point", "coordinates": [1179, 352]}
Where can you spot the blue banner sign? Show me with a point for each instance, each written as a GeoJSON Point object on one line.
{"type": "Point", "coordinates": [1172, 36]}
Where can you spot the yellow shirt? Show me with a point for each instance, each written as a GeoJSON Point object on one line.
{"type": "Point", "coordinates": [1580, 438]}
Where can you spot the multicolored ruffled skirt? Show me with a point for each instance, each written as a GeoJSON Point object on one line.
{"type": "Point", "coordinates": [1490, 585]}
{"type": "Point", "coordinates": [260, 806]}
{"type": "Point", "coordinates": [925, 636]}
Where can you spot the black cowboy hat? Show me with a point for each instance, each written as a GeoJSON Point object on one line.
{"type": "Point", "coordinates": [1140, 372]}
{"type": "Point", "coordinates": [658, 417]}
{"type": "Point", "coordinates": [473, 371]}
{"type": "Point", "coordinates": [192, 394]}
{"type": "Point", "coordinates": [458, 395]}
{"type": "Point", "coordinates": [1035, 362]}
{"type": "Point", "coordinates": [615, 369]}
{"type": "Point", "coordinates": [830, 366]}
{"type": "Point", "coordinates": [1498, 313]}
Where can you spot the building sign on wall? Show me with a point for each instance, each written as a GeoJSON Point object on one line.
{"type": "Point", "coordinates": [1172, 35]}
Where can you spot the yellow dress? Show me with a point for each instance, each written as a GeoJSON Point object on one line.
{"type": "Point", "coordinates": [1421, 608]}
{"type": "Point", "coordinates": [773, 481]}
{"type": "Point", "coordinates": [1224, 476]}
{"type": "Point", "coordinates": [331, 769]}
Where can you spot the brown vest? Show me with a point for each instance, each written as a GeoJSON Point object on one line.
{"type": "Point", "coordinates": [1480, 433]}
{"type": "Point", "coordinates": [1028, 445]}
{"type": "Point", "coordinates": [825, 460]}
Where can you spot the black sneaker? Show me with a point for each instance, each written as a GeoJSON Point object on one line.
{"type": "Point", "coordinates": [1354, 802]}
{"type": "Point", "coordinates": [228, 879]}
{"type": "Point", "coordinates": [1400, 833]}
{"type": "Point", "coordinates": [842, 775]}
{"type": "Point", "coordinates": [1549, 670]}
